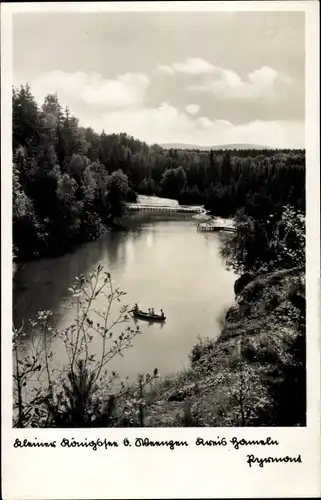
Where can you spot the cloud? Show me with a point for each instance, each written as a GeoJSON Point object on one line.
{"type": "Point", "coordinates": [192, 109]}
{"type": "Point", "coordinates": [227, 84]}
{"type": "Point", "coordinates": [92, 89]}
{"type": "Point", "coordinates": [192, 66]}
{"type": "Point", "coordinates": [264, 76]}
{"type": "Point", "coordinates": [205, 122]}
{"type": "Point", "coordinates": [119, 105]}
{"type": "Point", "coordinates": [226, 123]}
{"type": "Point", "coordinates": [166, 124]}
{"type": "Point", "coordinates": [165, 69]}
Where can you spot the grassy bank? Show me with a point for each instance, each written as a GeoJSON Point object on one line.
{"type": "Point", "coordinates": [253, 373]}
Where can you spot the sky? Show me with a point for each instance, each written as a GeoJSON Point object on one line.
{"type": "Point", "coordinates": [206, 78]}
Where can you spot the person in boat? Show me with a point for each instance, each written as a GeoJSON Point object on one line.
{"type": "Point", "coordinates": [162, 314]}
{"type": "Point", "coordinates": [152, 312]}
{"type": "Point", "coordinates": [136, 309]}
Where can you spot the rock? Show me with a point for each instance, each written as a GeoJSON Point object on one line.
{"type": "Point", "coordinates": [177, 396]}
{"type": "Point", "coordinates": [232, 314]}
{"type": "Point", "coordinates": [298, 300]}
{"type": "Point", "coordinates": [181, 394]}
{"type": "Point", "coordinates": [242, 282]}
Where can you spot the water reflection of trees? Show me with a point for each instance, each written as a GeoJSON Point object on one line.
{"type": "Point", "coordinates": [43, 284]}
{"type": "Point", "coordinates": [112, 245]}
{"type": "Point", "coordinates": [149, 324]}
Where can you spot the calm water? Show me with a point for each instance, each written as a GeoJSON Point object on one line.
{"type": "Point", "coordinates": [164, 264]}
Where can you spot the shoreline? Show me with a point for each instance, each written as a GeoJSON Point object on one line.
{"type": "Point", "coordinates": [128, 221]}
{"type": "Point", "coordinates": [258, 324]}
{"type": "Point", "coordinates": [204, 394]}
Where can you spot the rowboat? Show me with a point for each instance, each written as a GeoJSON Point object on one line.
{"type": "Point", "coordinates": [148, 316]}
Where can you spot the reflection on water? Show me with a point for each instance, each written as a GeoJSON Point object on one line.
{"type": "Point", "coordinates": [166, 265]}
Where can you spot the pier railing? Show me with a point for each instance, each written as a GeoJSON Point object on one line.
{"type": "Point", "coordinates": [209, 228]}
{"type": "Point", "coordinates": [165, 209]}
{"type": "Point", "coordinates": [213, 226]}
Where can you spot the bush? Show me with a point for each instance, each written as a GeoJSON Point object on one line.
{"type": "Point", "coordinates": [80, 394]}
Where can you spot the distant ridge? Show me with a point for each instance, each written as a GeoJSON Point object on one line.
{"type": "Point", "coordinates": [207, 148]}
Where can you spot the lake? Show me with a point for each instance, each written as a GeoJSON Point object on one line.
{"type": "Point", "coordinates": [161, 264]}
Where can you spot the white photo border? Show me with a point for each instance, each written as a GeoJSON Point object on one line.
{"type": "Point", "coordinates": [150, 472]}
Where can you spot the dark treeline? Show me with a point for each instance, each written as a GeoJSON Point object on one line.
{"type": "Point", "coordinates": [70, 183]}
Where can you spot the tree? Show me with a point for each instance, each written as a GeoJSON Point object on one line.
{"type": "Point", "coordinates": [173, 182]}
{"type": "Point", "coordinates": [68, 216]}
{"type": "Point", "coordinates": [213, 173]}
{"type": "Point", "coordinates": [288, 244]}
{"type": "Point", "coordinates": [72, 138]}
{"type": "Point", "coordinates": [257, 245]}
{"type": "Point", "coordinates": [76, 167]}
{"type": "Point", "coordinates": [25, 119]}
{"type": "Point", "coordinates": [117, 192]}
{"type": "Point", "coordinates": [26, 227]}
{"type": "Point", "coordinates": [226, 169]}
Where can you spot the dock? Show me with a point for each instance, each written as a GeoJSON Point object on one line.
{"type": "Point", "coordinates": [211, 228]}
{"type": "Point", "coordinates": [145, 208]}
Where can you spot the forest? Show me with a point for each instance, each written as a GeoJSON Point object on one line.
{"type": "Point", "coordinates": [71, 183]}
